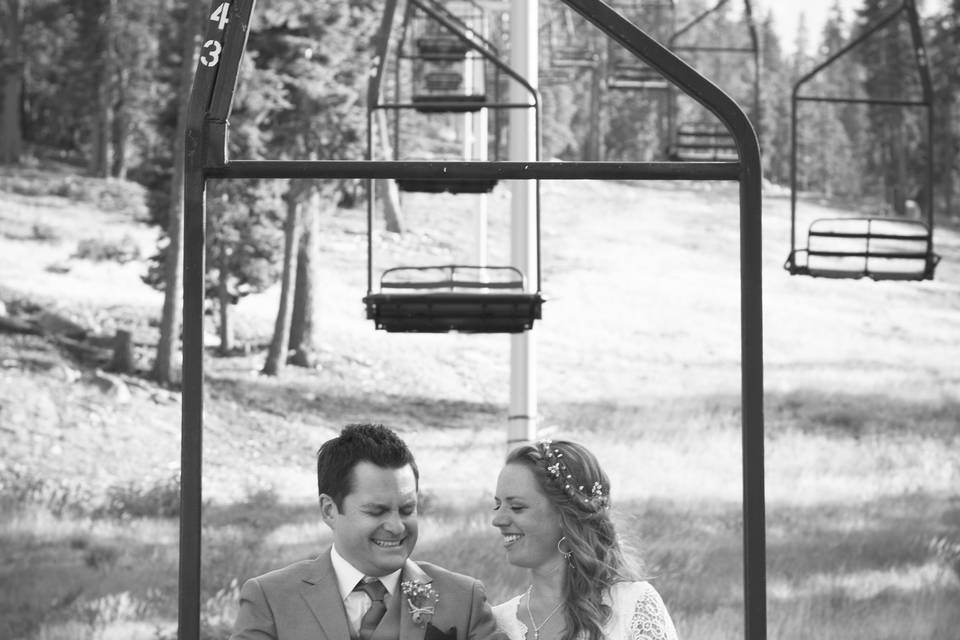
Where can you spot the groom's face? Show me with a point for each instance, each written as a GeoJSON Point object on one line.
{"type": "Point", "coordinates": [376, 527]}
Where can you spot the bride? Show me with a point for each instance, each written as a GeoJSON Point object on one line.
{"type": "Point", "coordinates": [552, 508]}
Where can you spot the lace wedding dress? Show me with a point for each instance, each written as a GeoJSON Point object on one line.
{"type": "Point", "coordinates": [638, 613]}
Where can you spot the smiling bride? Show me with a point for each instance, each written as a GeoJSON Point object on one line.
{"type": "Point", "coordinates": [552, 507]}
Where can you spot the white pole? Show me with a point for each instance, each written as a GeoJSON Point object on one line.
{"type": "Point", "coordinates": [480, 223]}
{"type": "Point", "coordinates": [475, 148]}
{"type": "Point", "coordinates": [522, 421]}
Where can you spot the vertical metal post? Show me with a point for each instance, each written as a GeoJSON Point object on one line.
{"type": "Point", "coordinates": [524, 43]}
{"type": "Point", "coordinates": [191, 441]}
{"type": "Point", "coordinates": [751, 327]}
{"type": "Point", "coordinates": [792, 259]}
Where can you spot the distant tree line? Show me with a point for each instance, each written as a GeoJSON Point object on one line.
{"type": "Point", "coordinates": [102, 84]}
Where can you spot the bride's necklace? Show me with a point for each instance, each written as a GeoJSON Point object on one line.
{"type": "Point", "coordinates": [537, 627]}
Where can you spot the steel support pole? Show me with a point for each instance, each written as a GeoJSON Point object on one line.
{"type": "Point", "coordinates": [522, 420]}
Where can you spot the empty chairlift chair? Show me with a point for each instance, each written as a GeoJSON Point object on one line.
{"type": "Point", "coordinates": [880, 247]}
{"type": "Point", "coordinates": [445, 76]}
{"type": "Point", "coordinates": [448, 297]}
{"type": "Point", "coordinates": [449, 55]}
{"type": "Point", "coordinates": [570, 44]}
{"type": "Point", "coordinates": [464, 298]}
{"type": "Point", "coordinates": [703, 138]}
{"type": "Point", "coordinates": [625, 71]}
{"type": "Point", "coordinates": [703, 141]}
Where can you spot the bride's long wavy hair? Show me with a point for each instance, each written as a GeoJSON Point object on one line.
{"type": "Point", "coordinates": [597, 561]}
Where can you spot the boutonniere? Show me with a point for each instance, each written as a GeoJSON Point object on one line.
{"type": "Point", "coordinates": [422, 599]}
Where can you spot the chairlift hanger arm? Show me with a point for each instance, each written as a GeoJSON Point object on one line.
{"type": "Point", "coordinates": [905, 6]}
{"type": "Point", "coordinates": [694, 22]}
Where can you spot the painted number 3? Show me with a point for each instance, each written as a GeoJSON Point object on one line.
{"type": "Point", "coordinates": [212, 48]}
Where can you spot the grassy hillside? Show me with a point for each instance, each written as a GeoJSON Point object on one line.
{"type": "Point", "coordinates": [637, 356]}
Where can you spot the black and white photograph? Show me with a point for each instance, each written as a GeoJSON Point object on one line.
{"type": "Point", "coordinates": [480, 320]}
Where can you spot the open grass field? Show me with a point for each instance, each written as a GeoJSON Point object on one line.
{"type": "Point", "coordinates": [637, 356]}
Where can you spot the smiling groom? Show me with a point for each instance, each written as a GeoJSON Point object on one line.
{"type": "Point", "coordinates": [365, 587]}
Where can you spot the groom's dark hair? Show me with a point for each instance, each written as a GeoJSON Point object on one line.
{"type": "Point", "coordinates": [356, 443]}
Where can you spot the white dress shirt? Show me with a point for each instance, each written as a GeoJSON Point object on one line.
{"type": "Point", "coordinates": [356, 603]}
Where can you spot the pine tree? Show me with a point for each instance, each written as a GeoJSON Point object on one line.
{"type": "Point", "coordinates": [944, 50]}
{"type": "Point", "coordinates": [890, 71]}
{"type": "Point", "coordinates": [320, 57]}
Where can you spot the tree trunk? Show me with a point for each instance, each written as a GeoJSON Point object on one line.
{"type": "Point", "coordinates": [302, 338]}
{"type": "Point", "coordinates": [123, 361]}
{"type": "Point", "coordinates": [99, 161]}
{"type": "Point", "coordinates": [224, 302]}
{"type": "Point", "coordinates": [277, 355]}
{"type": "Point", "coordinates": [11, 80]}
{"type": "Point", "coordinates": [592, 145]}
{"type": "Point", "coordinates": [387, 190]}
{"type": "Point", "coordinates": [120, 126]}
{"type": "Point", "coordinates": [164, 369]}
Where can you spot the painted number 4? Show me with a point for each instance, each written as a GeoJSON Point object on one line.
{"type": "Point", "coordinates": [212, 48]}
{"type": "Point", "coordinates": [219, 15]}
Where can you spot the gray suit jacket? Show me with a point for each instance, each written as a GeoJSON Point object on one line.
{"type": "Point", "coordinates": [302, 602]}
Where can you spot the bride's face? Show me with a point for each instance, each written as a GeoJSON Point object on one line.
{"type": "Point", "coordinates": [528, 522]}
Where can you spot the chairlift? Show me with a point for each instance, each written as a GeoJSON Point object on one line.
{"type": "Point", "coordinates": [450, 56]}
{"type": "Point", "coordinates": [703, 139]}
{"type": "Point", "coordinates": [444, 298]}
{"type": "Point", "coordinates": [877, 247]}
{"type": "Point", "coordinates": [449, 297]}
{"type": "Point", "coordinates": [554, 76]}
{"type": "Point", "coordinates": [205, 158]}
{"type": "Point", "coordinates": [448, 75]}
{"type": "Point", "coordinates": [569, 45]}
{"type": "Point", "coordinates": [624, 71]}
{"type": "Point", "coordinates": [441, 46]}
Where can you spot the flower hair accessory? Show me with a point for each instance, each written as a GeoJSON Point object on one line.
{"type": "Point", "coordinates": [422, 599]}
{"type": "Point", "coordinates": [591, 498]}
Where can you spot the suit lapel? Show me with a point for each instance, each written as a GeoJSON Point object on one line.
{"type": "Point", "coordinates": [408, 630]}
{"type": "Point", "coordinates": [321, 593]}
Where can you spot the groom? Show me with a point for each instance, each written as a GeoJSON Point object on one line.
{"type": "Point", "coordinates": [365, 587]}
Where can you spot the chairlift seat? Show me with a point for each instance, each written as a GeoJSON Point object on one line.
{"type": "Point", "coordinates": [572, 57]}
{"type": "Point", "coordinates": [876, 248]}
{"type": "Point", "coordinates": [445, 298]}
{"type": "Point", "coordinates": [703, 142]}
{"type": "Point", "coordinates": [443, 81]}
{"type": "Point", "coordinates": [449, 103]}
{"type": "Point", "coordinates": [416, 185]}
{"type": "Point", "coordinates": [554, 75]}
{"type": "Point", "coordinates": [445, 47]}
{"type": "Point", "coordinates": [625, 75]}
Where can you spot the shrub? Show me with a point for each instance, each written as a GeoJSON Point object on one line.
{"type": "Point", "coordinates": [20, 489]}
{"type": "Point", "coordinates": [130, 500]}
{"type": "Point", "coordinates": [946, 548]}
{"type": "Point", "coordinates": [46, 232]}
{"type": "Point", "coordinates": [123, 250]}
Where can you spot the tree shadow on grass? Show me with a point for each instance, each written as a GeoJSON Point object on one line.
{"type": "Point", "coordinates": [335, 406]}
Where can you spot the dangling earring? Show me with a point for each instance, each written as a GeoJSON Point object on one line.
{"type": "Point", "coordinates": [567, 555]}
